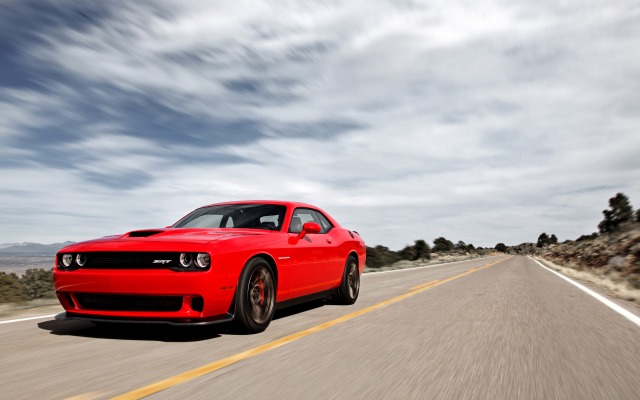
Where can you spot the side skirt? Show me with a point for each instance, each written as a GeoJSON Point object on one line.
{"type": "Point", "coordinates": [305, 299]}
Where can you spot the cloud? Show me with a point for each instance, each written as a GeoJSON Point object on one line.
{"type": "Point", "coordinates": [481, 121]}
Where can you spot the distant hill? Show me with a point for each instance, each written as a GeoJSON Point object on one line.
{"type": "Point", "coordinates": [31, 249]}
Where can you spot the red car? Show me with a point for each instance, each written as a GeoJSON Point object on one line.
{"type": "Point", "coordinates": [228, 261]}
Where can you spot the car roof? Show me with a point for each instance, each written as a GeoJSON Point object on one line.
{"type": "Point", "coordinates": [289, 204]}
{"type": "Point", "coordinates": [276, 202]}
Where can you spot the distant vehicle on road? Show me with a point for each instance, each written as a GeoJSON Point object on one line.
{"type": "Point", "coordinates": [228, 261]}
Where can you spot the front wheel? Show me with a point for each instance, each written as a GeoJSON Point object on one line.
{"type": "Point", "coordinates": [256, 296]}
{"type": "Point", "coordinates": [350, 286]}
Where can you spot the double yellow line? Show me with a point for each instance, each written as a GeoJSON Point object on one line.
{"type": "Point", "coordinates": [214, 366]}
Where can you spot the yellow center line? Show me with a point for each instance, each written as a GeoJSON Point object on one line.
{"type": "Point", "coordinates": [216, 365]}
{"type": "Point", "coordinates": [423, 285]}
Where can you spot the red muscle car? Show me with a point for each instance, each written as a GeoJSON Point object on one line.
{"type": "Point", "coordinates": [228, 261]}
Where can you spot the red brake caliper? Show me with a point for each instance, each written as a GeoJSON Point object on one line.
{"type": "Point", "coordinates": [261, 291]}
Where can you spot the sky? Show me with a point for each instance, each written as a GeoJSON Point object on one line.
{"type": "Point", "coordinates": [481, 121]}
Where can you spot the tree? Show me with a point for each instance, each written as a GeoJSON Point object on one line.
{"type": "Point", "coordinates": [442, 245]}
{"type": "Point", "coordinates": [637, 215]}
{"type": "Point", "coordinates": [501, 247]}
{"type": "Point", "coordinates": [619, 211]}
{"type": "Point", "coordinates": [422, 250]}
{"type": "Point", "coordinates": [543, 240]}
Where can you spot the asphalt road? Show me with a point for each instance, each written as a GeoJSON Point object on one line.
{"type": "Point", "coordinates": [511, 330]}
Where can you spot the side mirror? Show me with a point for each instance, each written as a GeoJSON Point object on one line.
{"type": "Point", "coordinates": [309, 227]}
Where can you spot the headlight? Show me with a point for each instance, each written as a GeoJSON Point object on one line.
{"type": "Point", "coordinates": [203, 260]}
{"type": "Point", "coordinates": [81, 259]}
{"type": "Point", "coordinates": [186, 260]}
{"type": "Point", "coordinates": [67, 259]}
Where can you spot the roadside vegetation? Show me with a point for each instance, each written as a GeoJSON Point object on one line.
{"type": "Point", "coordinates": [609, 257]}
{"type": "Point", "coordinates": [421, 253]}
{"type": "Point", "coordinates": [32, 285]}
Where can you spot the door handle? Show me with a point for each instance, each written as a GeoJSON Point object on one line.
{"type": "Point", "coordinates": [329, 240]}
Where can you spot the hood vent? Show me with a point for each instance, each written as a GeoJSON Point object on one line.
{"type": "Point", "coordinates": [143, 233]}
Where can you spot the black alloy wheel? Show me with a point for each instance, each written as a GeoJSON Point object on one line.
{"type": "Point", "coordinates": [350, 286]}
{"type": "Point", "coordinates": [256, 296]}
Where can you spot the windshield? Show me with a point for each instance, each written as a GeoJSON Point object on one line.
{"type": "Point", "coordinates": [254, 216]}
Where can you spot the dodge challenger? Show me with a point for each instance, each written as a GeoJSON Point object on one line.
{"type": "Point", "coordinates": [228, 261]}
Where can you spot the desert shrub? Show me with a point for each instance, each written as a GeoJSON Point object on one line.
{"type": "Point", "coordinates": [10, 289]}
{"type": "Point", "coordinates": [422, 250]}
{"type": "Point", "coordinates": [442, 245]}
{"type": "Point", "coordinates": [501, 247]}
{"type": "Point", "coordinates": [587, 237]}
{"type": "Point", "coordinates": [380, 256]}
{"type": "Point", "coordinates": [37, 283]}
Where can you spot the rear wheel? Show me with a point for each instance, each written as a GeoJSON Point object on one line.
{"type": "Point", "coordinates": [350, 286]}
{"type": "Point", "coordinates": [256, 296]}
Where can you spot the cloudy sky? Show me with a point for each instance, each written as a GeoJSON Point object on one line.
{"type": "Point", "coordinates": [482, 121]}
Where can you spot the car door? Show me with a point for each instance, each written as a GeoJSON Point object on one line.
{"type": "Point", "coordinates": [311, 255]}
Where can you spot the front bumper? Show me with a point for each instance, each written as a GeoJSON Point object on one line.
{"type": "Point", "coordinates": [227, 317]}
{"type": "Point", "coordinates": [129, 295]}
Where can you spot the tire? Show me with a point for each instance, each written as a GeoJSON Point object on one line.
{"type": "Point", "coordinates": [255, 296]}
{"type": "Point", "coordinates": [350, 287]}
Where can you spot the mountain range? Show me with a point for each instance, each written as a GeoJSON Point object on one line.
{"type": "Point", "coordinates": [31, 249]}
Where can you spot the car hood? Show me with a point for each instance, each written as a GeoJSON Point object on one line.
{"type": "Point", "coordinates": [151, 238]}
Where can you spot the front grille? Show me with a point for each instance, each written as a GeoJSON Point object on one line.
{"type": "Point", "coordinates": [118, 302]}
{"type": "Point", "coordinates": [132, 260]}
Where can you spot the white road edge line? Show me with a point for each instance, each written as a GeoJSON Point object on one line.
{"type": "Point", "coordinates": [620, 310]}
{"type": "Point", "coordinates": [424, 266]}
{"type": "Point", "coordinates": [9, 321]}
{"type": "Point", "coordinates": [368, 273]}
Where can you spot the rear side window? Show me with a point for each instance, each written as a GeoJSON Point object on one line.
{"type": "Point", "coordinates": [302, 215]}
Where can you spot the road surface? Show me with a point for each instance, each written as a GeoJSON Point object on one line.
{"type": "Point", "coordinates": [496, 328]}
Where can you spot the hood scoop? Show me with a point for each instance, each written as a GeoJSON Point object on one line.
{"type": "Point", "coordinates": [143, 233]}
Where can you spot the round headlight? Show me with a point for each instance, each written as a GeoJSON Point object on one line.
{"type": "Point", "coordinates": [67, 259]}
{"type": "Point", "coordinates": [186, 260]}
{"type": "Point", "coordinates": [81, 259]}
{"type": "Point", "coordinates": [203, 260]}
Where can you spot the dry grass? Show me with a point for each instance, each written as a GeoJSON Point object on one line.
{"type": "Point", "coordinates": [404, 264]}
{"type": "Point", "coordinates": [613, 282]}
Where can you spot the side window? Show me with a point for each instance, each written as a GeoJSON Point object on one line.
{"type": "Point", "coordinates": [324, 222]}
{"type": "Point", "coordinates": [302, 215]}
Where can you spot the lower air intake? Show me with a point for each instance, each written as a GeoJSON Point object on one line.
{"type": "Point", "coordinates": [117, 302]}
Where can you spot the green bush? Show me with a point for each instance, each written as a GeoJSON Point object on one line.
{"type": "Point", "coordinates": [38, 283]}
{"type": "Point", "coordinates": [10, 289]}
